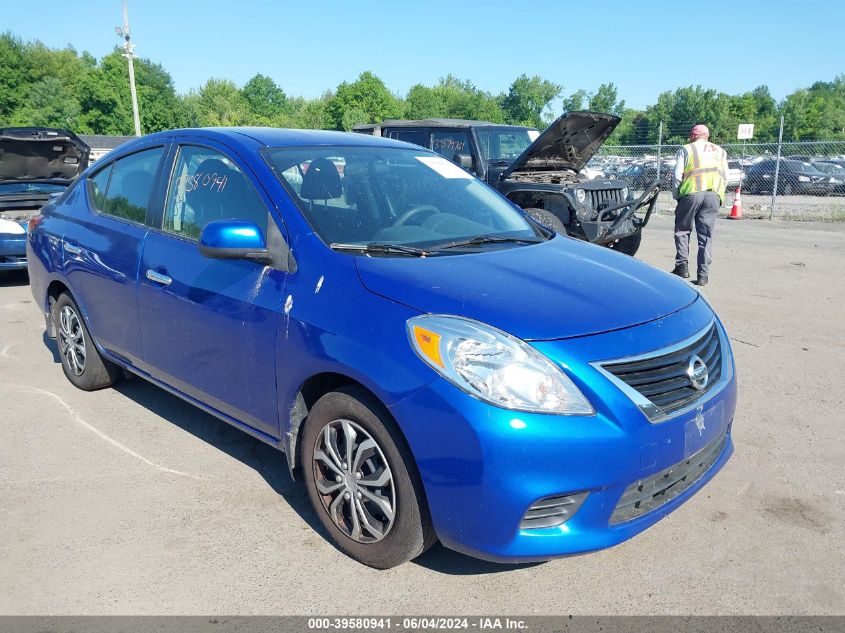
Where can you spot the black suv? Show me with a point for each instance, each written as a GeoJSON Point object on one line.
{"type": "Point", "coordinates": [540, 172]}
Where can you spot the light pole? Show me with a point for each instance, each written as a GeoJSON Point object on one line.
{"type": "Point", "coordinates": [129, 54]}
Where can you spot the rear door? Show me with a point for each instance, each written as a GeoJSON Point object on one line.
{"type": "Point", "coordinates": [102, 248]}
{"type": "Point", "coordinates": [209, 326]}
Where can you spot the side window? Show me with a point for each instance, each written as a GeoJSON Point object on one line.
{"type": "Point", "coordinates": [97, 185]}
{"type": "Point", "coordinates": [130, 186]}
{"type": "Point", "coordinates": [207, 185]}
{"type": "Point", "coordinates": [447, 143]}
{"type": "Point", "coordinates": [417, 137]}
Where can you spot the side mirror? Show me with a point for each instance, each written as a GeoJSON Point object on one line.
{"type": "Point", "coordinates": [234, 239]}
{"type": "Point", "coordinates": [463, 160]}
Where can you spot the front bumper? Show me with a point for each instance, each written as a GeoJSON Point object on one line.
{"type": "Point", "coordinates": [13, 252]}
{"type": "Point", "coordinates": [483, 466]}
{"type": "Point", "coordinates": [604, 230]}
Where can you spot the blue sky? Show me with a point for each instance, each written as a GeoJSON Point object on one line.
{"type": "Point", "coordinates": [308, 47]}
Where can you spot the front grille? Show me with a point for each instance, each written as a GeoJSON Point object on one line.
{"type": "Point", "coordinates": [605, 197]}
{"type": "Point", "coordinates": [11, 259]}
{"type": "Point", "coordinates": [649, 494]}
{"type": "Point", "coordinates": [663, 379]}
{"type": "Point", "coordinates": [552, 511]}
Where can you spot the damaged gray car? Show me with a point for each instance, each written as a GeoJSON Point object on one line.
{"type": "Point", "coordinates": [541, 171]}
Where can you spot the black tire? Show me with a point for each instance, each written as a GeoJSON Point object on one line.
{"type": "Point", "coordinates": [547, 219]}
{"type": "Point", "coordinates": [787, 189]}
{"type": "Point", "coordinates": [81, 362]}
{"type": "Point", "coordinates": [628, 245]}
{"type": "Point", "coordinates": [410, 533]}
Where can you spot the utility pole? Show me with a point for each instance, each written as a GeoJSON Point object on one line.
{"type": "Point", "coordinates": [129, 48]}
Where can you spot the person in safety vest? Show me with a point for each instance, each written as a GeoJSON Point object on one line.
{"type": "Point", "coordinates": [698, 185]}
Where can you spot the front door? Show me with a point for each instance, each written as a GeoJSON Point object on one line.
{"type": "Point", "coordinates": [209, 326]}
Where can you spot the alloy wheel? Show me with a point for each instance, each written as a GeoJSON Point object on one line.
{"type": "Point", "coordinates": [71, 340]}
{"type": "Point", "coordinates": [354, 481]}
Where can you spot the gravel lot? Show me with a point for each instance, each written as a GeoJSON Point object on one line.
{"type": "Point", "coordinates": [129, 501]}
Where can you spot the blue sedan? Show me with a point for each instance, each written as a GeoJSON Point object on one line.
{"type": "Point", "coordinates": [433, 363]}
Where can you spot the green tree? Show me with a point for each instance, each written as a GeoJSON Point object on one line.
{"type": "Point", "coordinates": [49, 104]}
{"type": "Point", "coordinates": [463, 100]}
{"type": "Point", "coordinates": [267, 102]}
{"type": "Point", "coordinates": [367, 100]}
{"type": "Point", "coordinates": [158, 103]}
{"type": "Point", "coordinates": [14, 78]}
{"type": "Point", "coordinates": [104, 98]}
{"type": "Point", "coordinates": [528, 99]}
{"type": "Point", "coordinates": [423, 102]}
{"type": "Point", "coordinates": [606, 99]}
{"type": "Point", "coordinates": [220, 103]}
{"type": "Point", "coordinates": [575, 101]}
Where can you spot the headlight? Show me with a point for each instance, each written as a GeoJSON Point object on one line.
{"type": "Point", "coordinates": [803, 179]}
{"type": "Point", "coordinates": [494, 366]}
{"type": "Point", "coordinates": [581, 195]}
{"type": "Point", "coordinates": [625, 193]}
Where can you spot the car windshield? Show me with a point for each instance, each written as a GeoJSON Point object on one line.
{"type": "Point", "coordinates": [502, 143]}
{"type": "Point", "coordinates": [30, 187]}
{"type": "Point", "coordinates": [798, 166]}
{"type": "Point", "coordinates": [830, 168]}
{"type": "Point", "coordinates": [377, 195]}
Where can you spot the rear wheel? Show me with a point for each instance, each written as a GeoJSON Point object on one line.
{"type": "Point", "coordinates": [81, 362]}
{"type": "Point", "coordinates": [628, 245]}
{"type": "Point", "coordinates": [362, 481]}
{"type": "Point", "coordinates": [547, 219]}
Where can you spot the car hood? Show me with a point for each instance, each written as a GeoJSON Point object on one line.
{"type": "Point", "coordinates": [568, 143]}
{"type": "Point", "coordinates": [29, 154]}
{"type": "Point", "coordinates": [552, 290]}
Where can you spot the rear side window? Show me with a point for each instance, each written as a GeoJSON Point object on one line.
{"type": "Point", "coordinates": [207, 186]}
{"type": "Point", "coordinates": [124, 188]}
{"type": "Point", "coordinates": [97, 185]}
{"type": "Point", "coordinates": [417, 137]}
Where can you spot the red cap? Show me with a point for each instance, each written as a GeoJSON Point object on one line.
{"type": "Point", "coordinates": [699, 131]}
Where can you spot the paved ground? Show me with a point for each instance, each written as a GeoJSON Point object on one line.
{"type": "Point", "coordinates": [129, 501]}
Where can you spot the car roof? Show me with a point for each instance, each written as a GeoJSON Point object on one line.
{"type": "Point", "coordinates": [251, 138]}
{"type": "Point", "coordinates": [434, 122]}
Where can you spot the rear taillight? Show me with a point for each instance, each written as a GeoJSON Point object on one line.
{"type": "Point", "coordinates": [34, 221]}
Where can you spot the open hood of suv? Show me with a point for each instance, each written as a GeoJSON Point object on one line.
{"type": "Point", "coordinates": [568, 143]}
{"type": "Point", "coordinates": [36, 153]}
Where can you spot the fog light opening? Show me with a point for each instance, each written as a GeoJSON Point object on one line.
{"type": "Point", "coordinates": [552, 511]}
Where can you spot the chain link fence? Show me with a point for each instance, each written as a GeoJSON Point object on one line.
{"type": "Point", "coordinates": [797, 180]}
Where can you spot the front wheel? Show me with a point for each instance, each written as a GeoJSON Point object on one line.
{"type": "Point", "coordinates": [362, 481]}
{"type": "Point", "coordinates": [628, 245]}
{"type": "Point", "coordinates": [547, 219]}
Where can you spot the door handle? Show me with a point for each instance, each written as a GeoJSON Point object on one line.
{"type": "Point", "coordinates": [158, 278]}
{"type": "Point", "coordinates": [73, 249]}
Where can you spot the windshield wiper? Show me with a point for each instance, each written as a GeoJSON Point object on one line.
{"type": "Point", "coordinates": [377, 248]}
{"type": "Point", "coordinates": [480, 240]}
{"type": "Point", "coordinates": [500, 161]}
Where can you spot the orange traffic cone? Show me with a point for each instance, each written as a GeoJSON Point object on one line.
{"type": "Point", "coordinates": [736, 210]}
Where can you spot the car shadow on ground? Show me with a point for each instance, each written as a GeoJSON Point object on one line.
{"type": "Point", "coordinates": [271, 464]}
{"type": "Point", "coordinates": [11, 278]}
{"type": "Point", "coordinates": [53, 346]}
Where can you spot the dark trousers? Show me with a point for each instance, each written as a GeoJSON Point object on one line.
{"type": "Point", "coordinates": [702, 208]}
